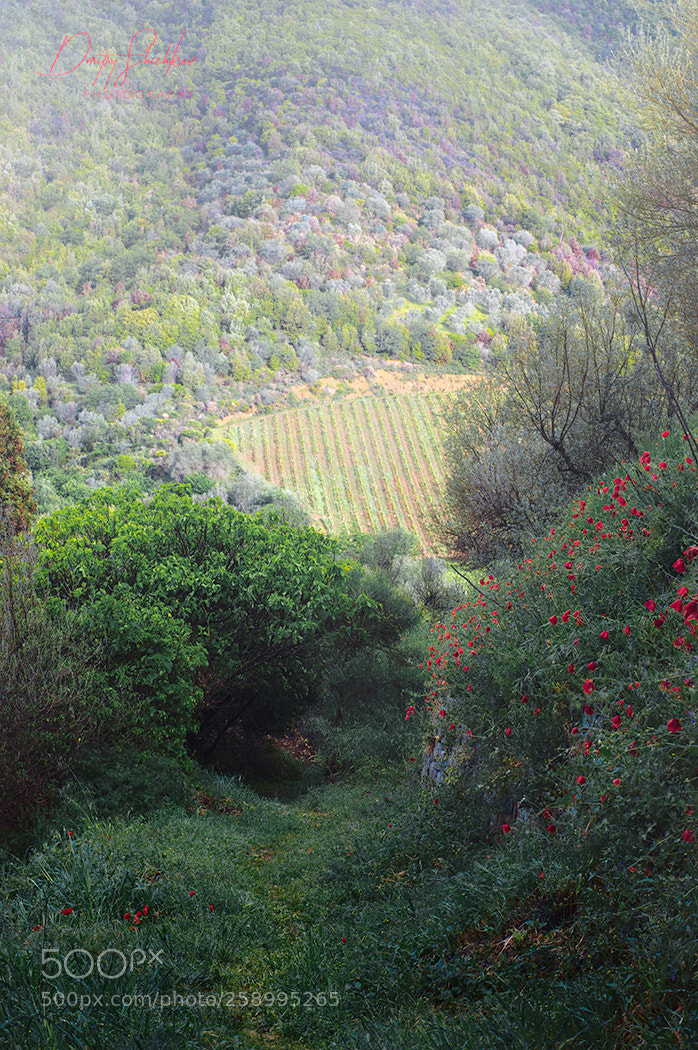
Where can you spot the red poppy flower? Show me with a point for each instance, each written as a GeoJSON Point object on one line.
{"type": "Point", "coordinates": [591, 666]}
{"type": "Point", "coordinates": [551, 828]}
{"type": "Point", "coordinates": [507, 731]}
{"type": "Point", "coordinates": [616, 781]}
{"type": "Point", "coordinates": [649, 604]}
{"type": "Point", "coordinates": [691, 553]}
{"type": "Point", "coordinates": [673, 725]}
{"type": "Point", "coordinates": [665, 434]}
{"type": "Point", "coordinates": [615, 721]}
{"type": "Point", "coordinates": [604, 635]}
{"type": "Point", "coordinates": [588, 686]}
{"type": "Point", "coordinates": [571, 668]}
{"type": "Point", "coordinates": [506, 828]}
{"type": "Point", "coordinates": [688, 836]}
{"type": "Point", "coordinates": [679, 565]}
{"type": "Point", "coordinates": [553, 620]}
{"type": "Point", "coordinates": [588, 709]}
{"type": "Point", "coordinates": [67, 911]}
{"type": "Point", "coordinates": [682, 592]}
{"type": "Point", "coordinates": [626, 630]}
{"type": "Point", "coordinates": [192, 892]}
{"type": "Point", "coordinates": [581, 780]}
{"type": "Point", "coordinates": [677, 605]}
{"type": "Point", "coordinates": [127, 916]}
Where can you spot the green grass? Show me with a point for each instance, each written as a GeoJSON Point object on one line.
{"type": "Point", "coordinates": [411, 927]}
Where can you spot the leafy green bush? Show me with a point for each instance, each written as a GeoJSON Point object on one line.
{"type": "Point", "coordinates": [200, 608]}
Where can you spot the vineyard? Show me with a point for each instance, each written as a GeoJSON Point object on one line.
{"type": "Point", "coordinates": [373, 462]}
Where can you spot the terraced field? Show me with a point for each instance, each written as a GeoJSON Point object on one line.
{"type": "Point", "coordinates": [372, 461]}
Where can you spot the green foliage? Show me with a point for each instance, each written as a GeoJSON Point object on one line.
{"type": "Point", "coordinates": [584, 716]}
{"type": "Point", "coordinates": [200, 607]}
{"type": "Point", "coordinates": [49, 711]}
{"type": "Point", "coordinates": [17, 503]}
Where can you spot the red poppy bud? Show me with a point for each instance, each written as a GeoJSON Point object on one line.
{"type": "Point", "coordinates": [626, 630]}
{"type": "Point", "coordinates": [192, 892]}
{"type": "Point", "coordinates": [507, 732]}
{"type": "Point", "coordinates": [665, 434]}
{"type": "Point", "coordinates": [127, 916]}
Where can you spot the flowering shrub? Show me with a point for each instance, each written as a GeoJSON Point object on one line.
{"type": "Point", "coordinates": [573, 679]}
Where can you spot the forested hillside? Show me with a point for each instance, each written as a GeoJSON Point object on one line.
{"type": "Point", "coordinates": [254, 197]}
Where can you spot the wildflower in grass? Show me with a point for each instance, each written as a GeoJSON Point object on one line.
{"type": "Point", "coordinates": [650, 605]}
{"type": "Point", "coordinates": [626, 630]}
{"type": "Point", "coordinates": [604, 635]}
{"type": "Point", "coordinates": [211, 907]}
{"type": "Point", "coordinates": [615, 721]}
{"type": "Point", "coordinates": [691, 553]}
{"type": "Point", "coordinates": [588, 686]}
{"type": "Point", "coordinates": [192, 892]}
{"type": "Point", "coordinates": [571, 668]}
{"type": "Point", "coordinates": [616, 781]}
{"type": "Point", "coordinates": [581, 780]}
{"type": "Point", "coordinates": [127, 916]}
{"type": "Point", "coordinates": [679, 565]}
{"type": "Point", "coordinates": [67, 911]}
{"type": "Point", "coordinates": [507, 731]}
{"type": "Point", "coordinates": [553, 620]}
{"type": "Point", "coordinates": [551, 828]}
{"type": "Point", "coordinates": [688, 836]}
{"type": "Point", "coordinates": [506, 828]}
{"type": "Point", "coordinates": [591, 666]}
{"type": "Point", "coordinates": [673, 725]}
